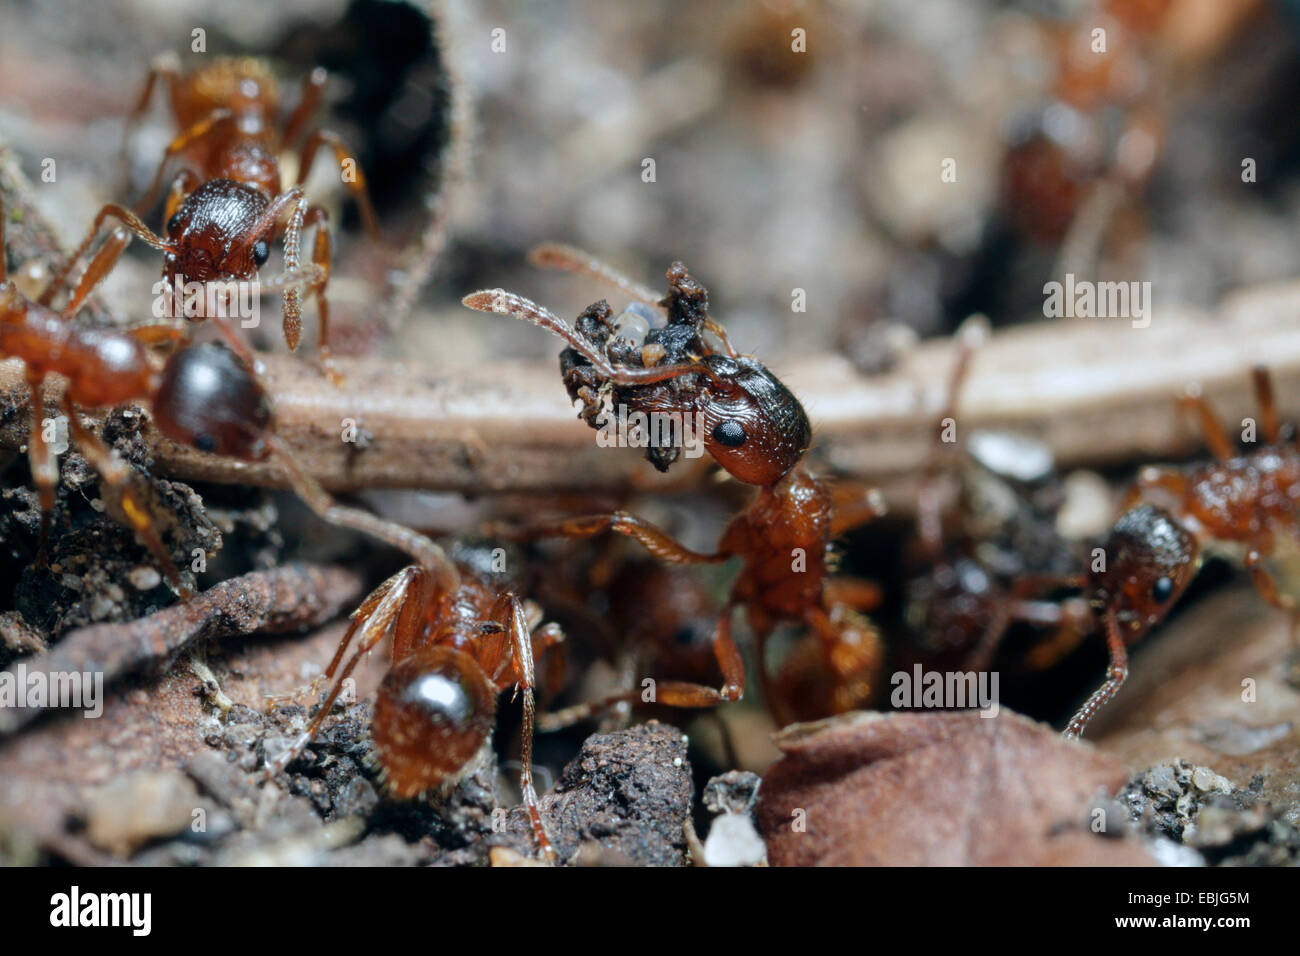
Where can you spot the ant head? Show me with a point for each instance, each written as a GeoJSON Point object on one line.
{"type": "Point", "coordinates": [1150, 560]}
{"type": "Point", "coordinates": [210, 236]}
{"type": "Point", "coordinates": [209, 399]}
{"type": "Point", "coordinates": [434, 712]}
{"type": "Point", "coordinates": [754, 427]}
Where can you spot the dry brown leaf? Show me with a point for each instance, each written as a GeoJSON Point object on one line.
{"type": "Point", "coordinates": [938, 789]}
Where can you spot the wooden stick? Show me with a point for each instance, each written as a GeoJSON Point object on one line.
{"type": "Point", "coordinates": [1096, 391]}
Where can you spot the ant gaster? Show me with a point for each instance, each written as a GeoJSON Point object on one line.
{"type": "Point", "coordinates": [458, 640]}
{"type": "Point", "coordinates": [226, 203]}
{"type": "Point", "coordinates": [756, 429]}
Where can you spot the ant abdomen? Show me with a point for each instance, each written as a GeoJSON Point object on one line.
{"type": "Point", "coordinates": [209, 399]}
{"type": "Point", "coordinates": [434, 713]}
{"type": "Point", "coordinates": [103, 367]}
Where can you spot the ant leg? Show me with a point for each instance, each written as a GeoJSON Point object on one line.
{"type": "Point", "coordinates": [931, 497]}
{"type": "Point", "coordinates": [1116, 674]}
{"type": "Point", "coordinates": [854, 649]}
{"type": "Point", "coordinates": [659, 543]}
{"type": "Point", "coordinates": [777, 707]}
{"type": "Point", "coordinates": [425, 551]}
{"type": "Point", "coordinates": [101, 265]}
{"type": "Point", "coordinates": [865, 506]}
{"type": "Point", "coordinates": [1016, 607]}
{"type": "Point", "coordinates": [1072, 619]}
{"type": "Point", "coordinates": [165, 67]}
{"type": "Point", "coordinates": [157, 333]}
{"type": "Point", "coordinates": [313, 88]}
{"type": "Point", "coordinates": [119, 478]}
{"type": "Point", "coordinates": [200, 131]}
{"type": "Point", "coordinates": [353, 178]}
{"type": "Point", "coordinates": [322, 250]}
{"type": "Point", "coordinates": [184, 183]}
{"type": "Point", "coordinates": [373, 620]}
{"type": "Point", "coordinates": [670, 693]}
{"type": "Point", "coordinates": [663, 546]}
{"type": "Point", "coordinates": [728, 656]}
{"type": "Point", "coordinates": [45, 472]}
{"type": "Point", "coordinates": [1195, 402]}
{"type": "Point", "coordinates": [1267, 403]}
{"type": "Point", "coordinates": [122, 215]}
{"type": "Point", "coordinates": [857, 593]}
{"type": "Point", "coordinates": [1265, 583]}
{"type": "Point", "coordinates": [523, 666]}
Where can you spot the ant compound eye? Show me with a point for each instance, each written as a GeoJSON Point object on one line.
{"type": "Point", "coordinates": [205, 442]}
{"type": "Point", "coordinates": [1162, 590]}
{"type": "Point", "coordinates": [685, 636]}
{"type": "Point", "coordinates": [174, 223]}
{"type": "Point", "coordinates": [261, 252]}
{"type": "Point", "coordinates": [730, 433]}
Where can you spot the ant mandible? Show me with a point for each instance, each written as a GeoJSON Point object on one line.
{"type": "Point", "coordinates": [1154, 550]}
{"type": "Point", "coordinates": [226, 203]}
{"type": "Point", "coordinates": [755, 428]}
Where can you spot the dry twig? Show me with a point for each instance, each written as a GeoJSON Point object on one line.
{"type": "Point", "coordinates": [289, 598]}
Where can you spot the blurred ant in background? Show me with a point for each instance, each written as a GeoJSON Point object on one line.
{"type": "Point", "coordinates": [755, 428]}
{"type": "Point", "coordinates": [1105, 62]}
{"type": "Point", "coordinates": [226, 203]}
{"type": "Point", "coordinates": [990, 563]}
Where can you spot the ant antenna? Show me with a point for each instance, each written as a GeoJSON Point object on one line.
{"type": "Point", "coordinates": [425, 551]}
{"type": "Point", "coordinates": [564, 258]}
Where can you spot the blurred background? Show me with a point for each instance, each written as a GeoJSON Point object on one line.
{"type": "Point", "coordinates": [901, 163]}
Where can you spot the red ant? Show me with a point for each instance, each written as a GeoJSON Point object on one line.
{"type": "Point", "coordinates": [457, 638]}
{"type": "Point", "coordinates": [103, 368]}
{"type": "Point", "coordinates": [756, 429]}
{"type": "Point", "coordinates": [960, 602]}
{"type": "Point", "coordinates": [225, 204]}
{"type": "Point", "coordinates": [458, 641]}
{"type": "Point", "coordinates": [1049, 174]}
{"type": "Point", "coordinates": [202, 396]}
{"type": "Point", "coordinates": [1155, 548]}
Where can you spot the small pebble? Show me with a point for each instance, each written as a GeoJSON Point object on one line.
{"type": "Point", "coordinates": [144, 578]}
{"type": "Point", "coordinates": [131, 811]}
{"type": "Point", "coordinates": [733, 841]}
